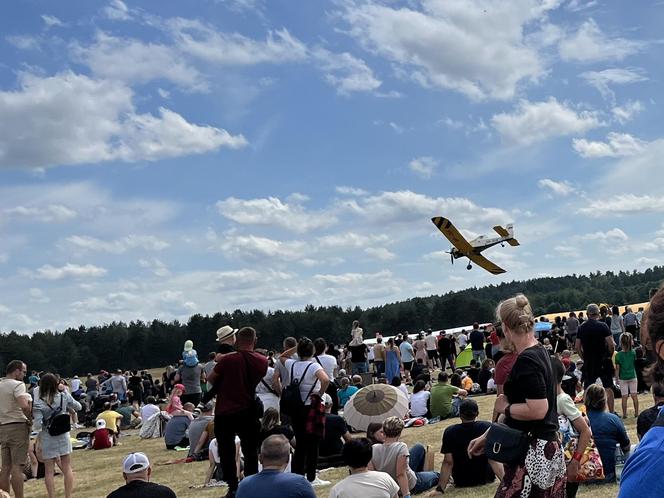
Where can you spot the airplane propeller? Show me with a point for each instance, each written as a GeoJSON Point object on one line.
{"type": "Point", "coordinates": [451, 253]}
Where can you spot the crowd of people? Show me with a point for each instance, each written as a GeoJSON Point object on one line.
{"type": "Point", "coordinates": [270, 420]}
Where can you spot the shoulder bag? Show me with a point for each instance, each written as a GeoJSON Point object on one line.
{"type": "Point", "coordinates": [59, 422]}
{"type": "Point", "coordinates": [506, 445]}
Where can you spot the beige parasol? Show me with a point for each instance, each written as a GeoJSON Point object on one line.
{"type": "Point", "coordinates": [375, 403]}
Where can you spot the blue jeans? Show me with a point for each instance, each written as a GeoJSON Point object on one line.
{"type": "Point", "coordinates": [380, 367]}
{"type": "Point", "coordinates": [360, 368]}
{"type": "Point", "coordinates": [479, 355]}
{"type": "Point", "coordinates": [425, 479]}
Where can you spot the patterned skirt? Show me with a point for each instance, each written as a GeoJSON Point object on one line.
{"type": "Point", "coordinates": [541, 475]}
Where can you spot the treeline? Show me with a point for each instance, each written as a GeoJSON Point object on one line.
{"type": "Point", "coordinates": [154, 344]}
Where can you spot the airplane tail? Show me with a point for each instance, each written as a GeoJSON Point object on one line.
{"type": "Point", "coordinates": [510, 231]}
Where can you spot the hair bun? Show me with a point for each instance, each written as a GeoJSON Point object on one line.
{"type": "Point", "coordinates": [521, 301]}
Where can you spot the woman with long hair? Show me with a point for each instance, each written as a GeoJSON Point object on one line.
{"type": "Point", "coordinates": [53, 400]}
{"type": "Point", "coordinates": [529, 406]}
{"type": "Point", "coordinates": [392, 360]}
{"type": "Point", "coordinates": [617, 324]}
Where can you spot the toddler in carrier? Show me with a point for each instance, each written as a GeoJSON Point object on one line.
{"type": "Point", "coordinates": [189, 355]}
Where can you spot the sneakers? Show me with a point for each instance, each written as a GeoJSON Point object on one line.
{"type": "Point", "coordinates": [319, 482]}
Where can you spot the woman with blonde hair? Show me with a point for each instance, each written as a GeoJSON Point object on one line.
{"type": "Point", "coordinates": [529, 406]}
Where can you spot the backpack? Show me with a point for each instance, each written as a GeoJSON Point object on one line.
{"type": "Point", "coordinates": [59, 422]}
{"type": "Point", "coordinates": [291, 400]}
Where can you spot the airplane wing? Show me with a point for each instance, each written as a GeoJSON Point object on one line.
{"type": "Point", "coordinates": [453, 235]}
{"type": "Point", "coordinates": [501, 231]}
{"type": "Point", "coordinates": [513, 242]}
{"type": "Point", "coordinates": [480, 260]}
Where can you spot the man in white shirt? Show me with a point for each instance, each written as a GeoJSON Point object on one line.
{"type": "Point", "coordinates": [432, 349]}
{"type": "Point", "coordinates": [362, 482]}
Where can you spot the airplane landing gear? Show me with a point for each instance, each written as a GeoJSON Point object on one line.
{"type": "Point", "coordinates": [469, 267]}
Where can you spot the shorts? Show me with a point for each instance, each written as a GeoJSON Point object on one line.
{"type": "Point", "coordinates": [432, 354]}
{"type": "Point", "coordinates": [628, 387]}
{"type": "Point", "coordinates": [14, 442]}
{"type": "Point", "coordinates": [408, 365]}
{"type": "Point", "coordinates": [604, 372]}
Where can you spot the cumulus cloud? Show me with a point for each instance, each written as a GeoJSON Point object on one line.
{"type": "Point", "coordinates": [615, 234]}
{"type": "Point", "coordinates": [51, 213]}
{"type": "Point", "coordinates": [624, 204]}
{"type": "Point", "coordinates": [617, 145]}
{"type": "Point", "coordinates": [380, 253]}
{"type": "Point", "coordinates": [603, 80]}
{"type": "Point", "coordinates": [562, 188]}
{"type": "Point", "coordinates": [117, 10]}
{"type": "Point", "coordinates": [69, 270]}
{"type": "Point", "coordinates": [423, 167]}
{"type": "Point", "coordinates": [118, 246]}
{"type": "Point", "coordinates": [272, 211]}
{"type": "Point", "coordinates": [590, 44]}
{"type": "Point", "coordinates": [156, 266]}
{"type": "Point", "coordinates": [354, 191]}
{"type": "Point", "coordinates": [624, 113]}
{"type": "Point", "coordinates": [533, 122]}
{"type": "Point", "coordinates": [50, 21]}
{"type": "Point", "coordinates": [73, 119]}
{"type": "Point", "coordinates": [347, 240]}
{"type": "Point", "coordinates": [258, 248]}
{"type": "Point", "coordinates": [345, 72]}
{"type": "Point", "coordinates": [24, 42]}
{"type": "Point", "coordinates": [464, 46]}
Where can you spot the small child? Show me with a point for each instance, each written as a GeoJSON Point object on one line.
{"type": "Point", "coordinates": [566, 358]}
{"type": "Point", "coordinates": [548, 346]}
{"type": "Point", "coordinates": [174, 404]}
{"type": "Point", "coordinates": [356, 334]}
{"type": "Point", "coordinates": [189, 355]}
{"type": "Point", "coordinates": [626, 373]}
{"type": "Point", "coordinates": [101, 438]}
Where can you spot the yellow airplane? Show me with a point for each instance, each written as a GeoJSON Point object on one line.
{"type": "Point", "coordinates": [472, 250]}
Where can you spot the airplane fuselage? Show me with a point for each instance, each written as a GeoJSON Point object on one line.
{"type": "Point", "coordinates": [480, 244]}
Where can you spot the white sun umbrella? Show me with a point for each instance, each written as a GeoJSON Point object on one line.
{"type": "Point", "coordinates": [374, 403]}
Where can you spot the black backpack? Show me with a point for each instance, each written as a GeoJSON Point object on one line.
{"type": "Point", "coordinates": [291, 400]}
{"type": "Point", "coordinates": [59, 422]}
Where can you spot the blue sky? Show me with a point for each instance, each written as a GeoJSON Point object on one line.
{"type": "Point", "coordinates": [159, 159]}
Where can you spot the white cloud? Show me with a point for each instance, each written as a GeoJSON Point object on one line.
{"type": "Point", "coordinates": [579, 5]}
{"type": "Point", "coordinates": [464, 46]}
{"type": "Point", "coordinates": [615, 234]}
{"type": "Point", "coordinates": [273, 212]}
{"type": "Point", "coordinates": [135, 61]}
{"type": "Point", "coordinates": [38, 296]}
{"type": "Point", "coordinates": [51, 213]}
{"type": "Point", "coordinates": [590, 44]}
{"type": "Point", "coordinates": [69, 270]}
{"type": "Point", "coordinates": [602, 80]}
{"type": "Point", "coordinates": [73, 119]}
{"type": "Point", "coordinates": [51, 21]}
{"type": "Point", "coordinates": [562, 188]}
{"type": "Point", "coordinates": [624, 204]}
{"type": "Point", "coordinates": [4, 257]}
{"type": "Point", "coordinates": [380, 253]}
{"type": "Point", "coordinates": [354, 191]}
{"type": "Point", "coordinates": [617, 145]}
{"type": "Point", "coordinates": [423, 167]}
{"type": "Point", "coordinates": [24, 42]}
{"type": "Point", "coordinates": [156, 266]}
{"type": "Point", "coordinates": [258, 248]}
{"type": "Point", "coordinates": [348, 240]}
{"type": "Point", "coordinates": [118, 246]}
{"type": "Point", "coordinates": [164, 94]}
{"type": "Point", "coordinates": [345, 72]}
{"type": "Point", "coordinates": [350, 280]}
{"type": "Point", "coordinates": [204, 42]}
{"type": "Point", "coordinates": [626, 112]}
{"type": "Point", "coordinates": [567, 251]}
{"type": "Point", "coordinates": [533, 122]}
{"type": "Point", "coordinates": [117, 10]}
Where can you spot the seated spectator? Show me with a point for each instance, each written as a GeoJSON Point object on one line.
{"type": "Point", "coordinates": [467, 383]}
{"type": "Point", "coordinates": [607, 429]}
{"type": "Point", "coordinates": [396, 382]}
{"type": "Point", "coordinates": [101, 438]}
{"type": "Point", "coordinates": [465, 471]}
{"type": "Point", "coordinates": [485, 374]}
{"type": "Point", "coordinates": [136, 471]}
{"type": "Point", "coordinates": [149, 409]}
{"type": "Point", "coordinates": [131, 418]}
{"type": "Point", "coordinates": [357, 381]}
{"type": "Point", "coordinates": [175, 432]}
{"type": "Point", "coordinates": [274, 456]}
{"type": "Point", "coordinates": [375, 433]}
{"type": "Point", "coordinates": [201, 432]}
{"type": "Point", "coordinates": [474, 371]}
{"type": "Point", "coordinates": [345, 392]}
{"type": "Point", "coordinates": [336, 433]}
{"type": "Point", "coordinates": [455, 380]}
{"type": "Point", "coordinates": [419, 400]}
{"type": "Point", "coordinates": [420, 371]}
{"type": "Point", "coordinates": [491, 387]}
{"type": "Point", "coordinates": [405, 467]}
{"type": "Point", "coordinates": [112, 419]}
{"type": "Point", "coordinates": [443, 403]}
{"type": "Point", "coordinates": [648, 417]}
{"type": "Point", "coordinates": [361, 482]}
{"type": "Point", "coordinates": [214, 469]}
{"type": "Point", "coordinates": [174, 404]}
{"type": "Point", "coordinates": [271, 425]}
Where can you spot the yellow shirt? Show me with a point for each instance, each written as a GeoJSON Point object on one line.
{"type": "Point", "coordinates": [110, 417]}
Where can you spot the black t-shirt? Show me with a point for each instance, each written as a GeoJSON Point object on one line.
{"type": "Point", "coordinates": [358, 353]}
{"type": "Point", "coordinates": [445, 346]}
{"type": "Point", "coordinates": [477, 340]}
{"type": "Point", "coordinates": [91, 384]}
{"type": "Point", "coordinates": [484, 377]}
{"type": "Point", "coordinates": [593, 334]}
{"type": "Point", "coordinates": [646, 419]}
{"type": "Point", "coordinates": [474, 373]}
{"type": "Point", "coordinates": [284, 430]}
{"type": "Point", "coordinates": [335, 427]}
{"type": "Point", "coordinates": [224, 348]}
{"type": "Point", "coordinates": [467, 471]}
{"type": "Point", "coordinates": [135, 383]}
{"type": "Point", "coordinates": [417, 370]}
{"type": "Point", "coordinates": [142, 489]}
{"type": "Point", "coordinates": [532, 378]}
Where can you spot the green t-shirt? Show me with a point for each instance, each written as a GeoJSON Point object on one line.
{"type": "Point", "coordinates": [625, 359]}
{"type": "Point", "coordinates": [441, 400]}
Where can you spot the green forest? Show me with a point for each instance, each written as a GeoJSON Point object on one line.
{"type": "Point", "coordinates": [139, 344]}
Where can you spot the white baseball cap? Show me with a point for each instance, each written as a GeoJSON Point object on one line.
{"type": "Point", "coordinates": [326, 399]}
{"type": "Point", "coordinates": [135, 462]}
{"type": "Point", "coordinates": [101, 424]}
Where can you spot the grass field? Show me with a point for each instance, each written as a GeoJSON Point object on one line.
{"type": "Point", "coordinates": [98, 472]}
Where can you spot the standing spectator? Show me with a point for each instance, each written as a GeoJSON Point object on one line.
{"type": "Point", "coordinates": [462, 339]}
{"type": "Point", "coordinates": [15, 414]}
{"type": "Point", "coordinates": [494, 339]}
{"type": "Point", "coordinates": [477, 343]}
{"type": "Point", "coordinates": [309, 374]}
{"type": "Point", "coordinates": [392, 360]}
{"type": "Point", "coordinates": [358, 358]}
{"type": "Point", "coordinates": [357, 454]}
{"type": "Point", "coordinates": [408, 356]}
{"type": "Point", "coordinates": [595, 346]}
{"type": "Point", "coordinates": [528, 405]}
{"type": "Point", "coordinates": [275, 452]}
{"type": "Point", "coordinates": [572, 327]}
{"type": "Point", "coordinates": [52, 401]}
{"type": "Point", "coordinates": [647, 417]}
{"type": "Point", "coordinates": [446, 350]}
{"type": "Point", "coordinates": [191, 378]}
{"type": "Point", "coordinates": [235, 378]}
{"type": "Point", "coordinates": [443, 402]}
{"type": "Point", "coordinates": [136, 471]}
{"type": "Point", "coordinates": [607, 428]}
{"type": "Point", "coordinates": [282, 372]}
{"type": "Point", "coordinates": [207, 368]}
{"type": "Point", "coordinates": [329, 364]}
{"type": "Point", "coordinates": [420, 348]}
{"type": "Point", "coordinates": [135, 385]}
{"type": "Point", "coordinates": [465, 471]}
{"type": "Point", "coordinates": [269, 389]}
{"type": "Point", "coordinates": [118, 384]}
{"type": "Point", "coordinates": [626, 373]}
{"type": "Point", "coordinates": [432, 349]}
{"type": "Point", "coordinates": [91, 390]}
{"type": "Point", "coordinates": [617, 324]}
{"type": "Point", "coordinates": [379, 356]}
{"type": "Point", "coordinates": [630, 321]}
